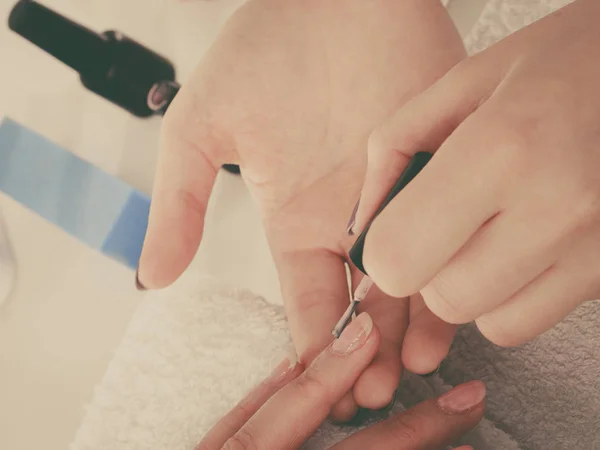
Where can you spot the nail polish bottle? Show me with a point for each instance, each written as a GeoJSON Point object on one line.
{"type": "Point", "coordinates": [110, 64]}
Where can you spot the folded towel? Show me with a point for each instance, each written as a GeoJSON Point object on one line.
{"type": "Point", "coordinates": [190, 353]}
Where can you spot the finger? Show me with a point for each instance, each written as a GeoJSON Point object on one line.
{"type": "Point", "coordinates": [247, 407]}
{"type": "Point", "coordinates": [500, 259]}
{"type": "Point", "coordinates": [428, 338]}
{"type": "Point", "coordinates": [547, 300]}
{"type": "Point", "coordinates": [185, 175]}
{"type": "Point", "coordinates": [423, 124]}
{"type": "Point", "coordinates": [314, 284]}
{"type": "Point", "coordinates": [293, 413]}
{"type": "Point", "coordinates": [429, 425]}
{"type": "Point", "coordinates": [435, 215]}
{"type": "Point", "coordinates": [315, 290]}
{"type": "Point", "coordinates": [376, 386]}
{"type": "Point", "coordinates": [345, 410]}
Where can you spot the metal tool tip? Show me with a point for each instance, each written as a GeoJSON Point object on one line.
{"type": "Point", "coordinates": [345, 319]}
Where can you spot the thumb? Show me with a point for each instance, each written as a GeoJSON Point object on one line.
{"type": "Point", "coordinates": [185, 176]}
{"type": "Point", "coordinates": [422, 124]}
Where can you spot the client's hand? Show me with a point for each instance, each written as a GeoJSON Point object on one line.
{"type": "Point", "coordinates": [284, 410]}
{"type": "Point", "coordinates": [290, 91]}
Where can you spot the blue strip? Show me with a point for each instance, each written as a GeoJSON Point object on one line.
{"type": "Point", "coordinates": [95, 207]}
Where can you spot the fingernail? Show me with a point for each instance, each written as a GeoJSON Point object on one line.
{"type": "Point", "coordinates": [462, 398]}
{"type": "Point", "coordinates": [354, 336]}
{"type": "Point", "coordinates": [283, 369]}
{"type": "Point", "coordinates": [138, 284]}
{"type": "Point", "coordinates": [389, 407]}
{"type": "Point", "coordinates": [430, 374]}
{"type": "Point", "coordinates": [352, 221]}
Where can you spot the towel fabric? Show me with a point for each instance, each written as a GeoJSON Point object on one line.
{"type": "Point", "coordinates": [193, 350]}
{"type": "Point", "coordinates": [190, 353]}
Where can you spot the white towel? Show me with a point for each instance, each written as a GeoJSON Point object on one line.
{"type": "Point", "coordinates": [190, 353]}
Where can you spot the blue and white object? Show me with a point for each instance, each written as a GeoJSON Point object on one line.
{"type": "Point", "coordinates": [95, 207]}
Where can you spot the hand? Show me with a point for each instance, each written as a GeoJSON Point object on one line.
{"type": "Point", "coordinates": [502, 226]}
{"type": "Point", "coordinates": [291, 403]}
{"type": "Point", "coordinates": [290, 91]}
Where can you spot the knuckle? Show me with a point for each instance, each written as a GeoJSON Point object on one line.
{"type": "Point", "coordinates": [586, 206]}
{"type": "Point", "coordinates": [310, 387]}
{"type": "Point", "coordinates": [242, 440]}
{"type": "Point", "coordinates": [460, 76]}
{"type": "Point", "coordinates": [191, 201]}
{"type": "Point", "coordinates": [404, 433]}
{"type": "Point", "coordinates": [514, 142]}
{"type": "Point", "coordinates": [378, 268]}
{"type": "Point", "coordinates": [239, 414]}
{"type": "Point", "coordinates": [444, 299]}
{"type": "Point", "coordinates": [310, 299]}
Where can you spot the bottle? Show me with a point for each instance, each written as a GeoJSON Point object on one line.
{"type": "Point", "coordinates": [109, 64]}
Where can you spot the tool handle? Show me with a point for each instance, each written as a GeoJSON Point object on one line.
{"type": "Point", "coordinates": [416, 164]}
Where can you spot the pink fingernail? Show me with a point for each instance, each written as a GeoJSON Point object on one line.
{"type": "Point", "coordinates": [138, 284]}
{"type": "Point", "coordinates": [462, 398]}
{"type": "Point", "coordinates": [354, 336]}
{"type": "Point", "coordinates": [284, 368]}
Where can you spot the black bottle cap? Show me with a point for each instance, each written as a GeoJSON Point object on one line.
{"type": "Point", "coordinates": [416, 164]}
{"type": "Point", "coordinates": [76, 46]}
{"type": "Point", "coordinates": [110, 64]}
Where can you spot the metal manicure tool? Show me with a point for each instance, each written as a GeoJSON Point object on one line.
{"type": "Point", "coordinates": [416, 164]}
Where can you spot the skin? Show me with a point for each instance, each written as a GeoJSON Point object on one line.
{"type": "Point", "coordinates": [265, 421]}
{"type": "Point", "coordinates": [290, 91]}
{"type": "Point", "coordinates": [503, 225]}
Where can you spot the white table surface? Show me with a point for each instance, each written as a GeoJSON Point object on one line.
{"type": "Point", "coordinates": [71, 304]}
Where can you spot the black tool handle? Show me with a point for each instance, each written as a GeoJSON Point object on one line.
{"type": "Point", "coordinates": [416, 164]}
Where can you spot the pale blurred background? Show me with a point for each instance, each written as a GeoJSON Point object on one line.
{"type": "Point", "coordinates": [71, 304]}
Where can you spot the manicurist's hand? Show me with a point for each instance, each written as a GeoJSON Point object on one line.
{"type": "Point", "coordinates": [503, 225]}
{"type": "Point", "coordinates": [284, 410]}
{"type": "Point", "coordinates": [290, 91]}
